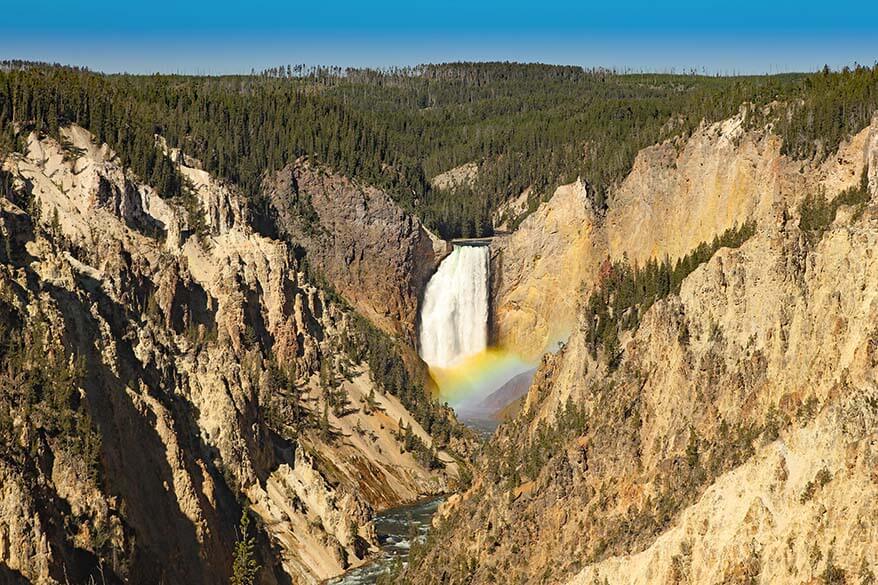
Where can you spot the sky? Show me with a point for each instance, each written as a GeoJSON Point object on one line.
{"type": "Point", "coordinates": [221, 36]}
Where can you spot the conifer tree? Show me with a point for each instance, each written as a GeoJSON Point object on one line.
{"type": "Point", "coordinates": [244, 566]}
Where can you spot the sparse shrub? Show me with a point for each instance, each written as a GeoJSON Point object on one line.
{"type": "Point", "coordinates": [832, 573]}
{"type": "Point", "coordinates": [822, 478]}
{"type": "Point", "coordinates": [692, 453]}
{"type": "Point", "coordinates": [807, 410]}
{"type": "Point", "coordinates": [867, 577]}
{"type": "Point", "coordinates": [771, 428]}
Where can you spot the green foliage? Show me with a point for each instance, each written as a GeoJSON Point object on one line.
{"type": "Point", "coordinates": [281, 399]}
{"type": "Point", "coordinates": [774, 421]}
{"type": "Point", "coordinates": [39, 386]}
{"type": "Point", "coordinates": [464, 479]}
{"type": "Point", "coordinates": [195, 218]}
{"type": "Point", "coordinates": [244, 567]}
{"type": "Point", "coordinates": [323, 425]}
{"type": "Point", "coordinates": [829, 108]}
{"type": "Point", "coordinates": [525, 125]}
{"type": "Point", "coordinates": [44, 98]}
{"type": "Point", "coordinates": [534, 126]}
{"type": "Point", "coordinates": [807, 410]}
{"type": "Point", "coordinates": [524, 462]}
{"type": "Point", "coordinates": [822, 478]}
{"type": "Point", "coordinates": [816, 214]}
{"type": "Point", "coordinates": [692, 453]}
{"type": "Point", "coordinates": [624, 294]}
{"type": "Point", "coordinates": [371, 401]}
{"type": "Point", "coordinates": [239, 127]}
{"type": "Point", "coordinates": [389, 373]}
{"type": "Point", "coordinates": [410, 442]}
{"type": "Point", "coordinates": [832, 573]}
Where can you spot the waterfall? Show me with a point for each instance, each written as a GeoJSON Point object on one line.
{"type": "Point", "coordinates": [454, 316]}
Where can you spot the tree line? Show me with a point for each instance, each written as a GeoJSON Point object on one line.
{"type": "Point", "coordinates": [525, 125]}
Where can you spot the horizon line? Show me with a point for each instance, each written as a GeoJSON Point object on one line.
{"type": "Point", "coordinates": [390, 69]}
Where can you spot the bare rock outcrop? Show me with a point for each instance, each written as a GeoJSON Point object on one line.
{"type": "Point", "coordinates": [679, 194]}
{"type": "Point", "coordinates": [460, 176]}
{"type": "Point", "coordinates": [194, 376]}
{"type": "Point", "coordinates": [373, 253]}
{"type": "Point", "coordinates": [536, 272]}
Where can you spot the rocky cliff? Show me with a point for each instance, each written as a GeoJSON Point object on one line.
{"type": "Point", "coordinates": [165, 366]}
{"type": "Point", "coordinates": [731, 439]}
{"type": "Point", "coordinates": [373, 253]}
{"type": "Point", "coordinates": [678, 194]}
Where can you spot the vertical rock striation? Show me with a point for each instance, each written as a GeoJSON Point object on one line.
{"type": "Point", "coordinates": [732, 438]}
{"type": "Point", "coordinates": [196, 371]}
{"type": "Point", "coordinates": [679, 194]}
{"type": "Point", "coordinates": [377, 256]}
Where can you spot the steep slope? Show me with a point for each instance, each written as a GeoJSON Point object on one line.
{"type": "Point", "coordinates": [374, 254]}
{"type": "Point", "coordinates": [731, 440]}
{"type": "Point", "coordinates": [537, 272]}
{"type": "Point", "coordinates": [496, 403]}
{"type": "Point", "coordinates": [165, 367]}
{"type": "Point", "coordinates": [679, 194]}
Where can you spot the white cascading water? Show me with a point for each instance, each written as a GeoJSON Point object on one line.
{"type": "Point", "coordinates": [454, 315]}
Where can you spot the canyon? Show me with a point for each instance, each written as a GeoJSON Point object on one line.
{"type": "Point", "coordinates": [732, 437]}
{"type": "Point", "coordinates": [262, 363]}
{"type": "Point", "coordinates": [196, 417]}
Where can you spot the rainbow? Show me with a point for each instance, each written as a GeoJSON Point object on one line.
{"type": "Point", "coordinates": [477, 376]}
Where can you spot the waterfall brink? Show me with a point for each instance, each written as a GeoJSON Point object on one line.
{"type": "Point", "coordinates": [454, 316]}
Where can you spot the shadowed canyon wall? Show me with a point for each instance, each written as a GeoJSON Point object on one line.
{"type": "Point", "coordinates": [166, 366]}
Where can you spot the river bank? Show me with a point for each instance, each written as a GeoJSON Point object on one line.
{"type": "Point", "coordinates": [396, 529]}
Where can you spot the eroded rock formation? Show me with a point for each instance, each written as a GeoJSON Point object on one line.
{"type": "Point", "coordinates": [206, 374]}
{"type": "Point", "coordinates": [732, 438]}
{"type": "Point", "coordinates": [679, 194]}
{"type": "Point", "coordinates": [373, 253]}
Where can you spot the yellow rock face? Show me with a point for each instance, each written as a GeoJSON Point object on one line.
{"type": "Point", "coordinates": [734, 440]}
{"type": "Point", "coordinates": [537, 271]}
{"type": "Point", "coordinates": [677, 196]}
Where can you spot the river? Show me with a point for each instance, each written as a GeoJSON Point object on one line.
{"type": "Point", "coordinates": [396, 525]}
{"type": "Point", "coordinates": [394, 528]}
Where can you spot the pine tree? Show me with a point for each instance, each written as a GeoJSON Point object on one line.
{"type": "Point", "coordinates": [324, 421]}
{"type": "Point", "coordinates": [244, 567]}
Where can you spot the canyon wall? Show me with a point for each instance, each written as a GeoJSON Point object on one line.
{"type": "Point", "coordinates": [373, 253]}
{"type": "Point", "coordinates": [732, 438]}
{"type": "Point", "coordinates": [168, 367]}
{"type": "Point", "coordinates": [678, 194]}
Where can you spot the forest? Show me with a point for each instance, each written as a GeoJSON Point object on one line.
{"type": "Point", "coordinates": [524, 125]}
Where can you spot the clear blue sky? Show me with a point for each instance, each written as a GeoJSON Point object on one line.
{"type": "Point", "coordinates": [222, 36]}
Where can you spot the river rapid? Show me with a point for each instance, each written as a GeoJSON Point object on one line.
{"type": "Point", "coordinates": [395, 528]}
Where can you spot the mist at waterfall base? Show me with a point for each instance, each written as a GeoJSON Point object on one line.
{"type": "Point", "coordinates": [454, 332]}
